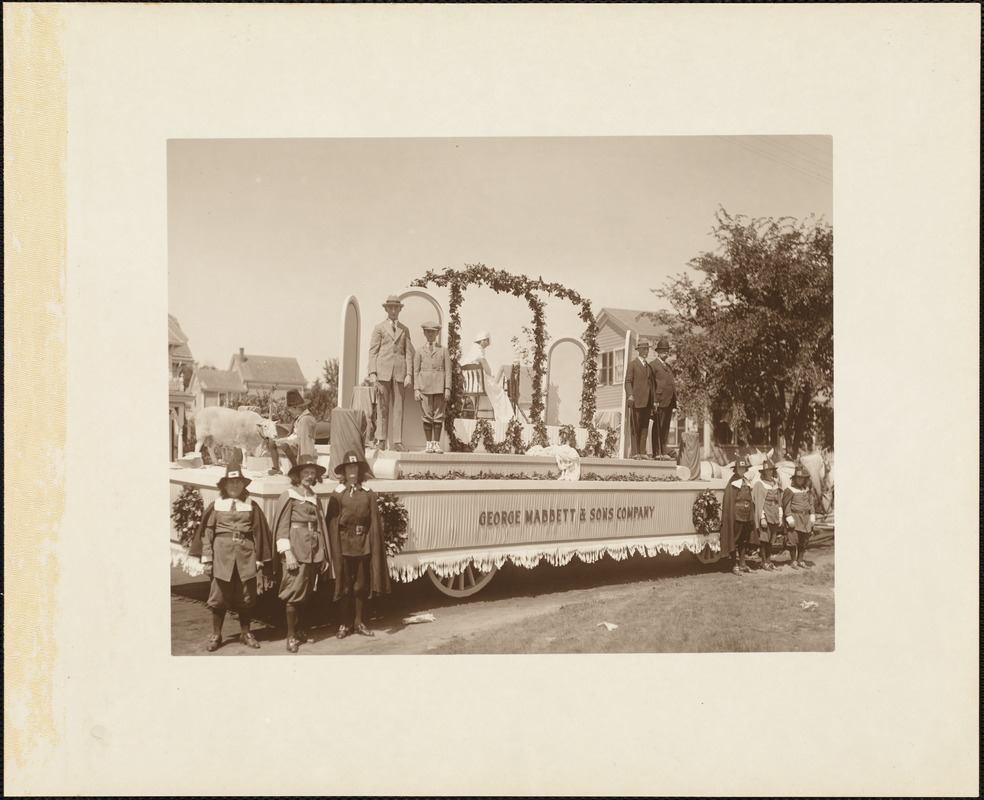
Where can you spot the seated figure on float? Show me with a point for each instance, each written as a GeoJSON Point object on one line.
{"type": "Point", "coordinates": [494, 390]}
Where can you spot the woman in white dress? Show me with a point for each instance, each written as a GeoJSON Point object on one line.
{"type": "Point", "coordinates": [501, 406]}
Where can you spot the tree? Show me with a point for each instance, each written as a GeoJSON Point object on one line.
{"type": "Point", "coordinates": [755, 337]}
{"type": "Point", "coordinates": [323, 395]}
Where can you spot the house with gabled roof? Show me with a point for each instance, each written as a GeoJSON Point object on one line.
{"type": "Point", "coordinates": [215, 387]}
{"type": "Point", "coordinates": [180, 368]}
{"type": "Point", "coordinates": [618, 331]}
{"type": "Point", "coordinates": [613, 325]}
{"type": "Point", "coordinates": [275, 375]}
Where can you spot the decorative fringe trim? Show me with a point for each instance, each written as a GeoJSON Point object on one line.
{"type": "Point", "coordinates": [407, 567]}
{"type": "Point", "coordinates": [190, 564]}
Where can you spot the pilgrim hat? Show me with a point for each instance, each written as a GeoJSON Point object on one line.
{"type": "Point", "coordinates": [233, 470]}
{"type": "Point", "coordinates": [742, 464]}
{"type": "Point", "coordinates": [306, 461]}
{"type": "Point", "coordinates": [295, 398]}
{"type": "Point", "coordinates": [801, 472]}
{"type": "Point", "coordinates": [351, 457]}
{"type": "Point", "coordinates": [767, 466]}
{"type": "Point", "coordinates": [393, 300]}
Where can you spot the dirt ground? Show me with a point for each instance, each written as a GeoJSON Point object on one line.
{"type": "Point", "coordinates": [663, 604]}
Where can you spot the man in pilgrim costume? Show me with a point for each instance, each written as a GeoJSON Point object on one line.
{"type": "Point", "coordinates": [639, 388]}
{"type": "Point", "coordinates": [301, 441]}
{"type": "Point", "coordinates": [235, 546]}
{"type": "Point", "coordinates": [390, 370]}
{"type": "Point", "coordinates": [302, 541]}
{"type": "Point", "coordinates": [664, 397]}
{"type": "Point", "coordinates": [355, 541]}
{"type": "Point", "coordinates": [738, 516]}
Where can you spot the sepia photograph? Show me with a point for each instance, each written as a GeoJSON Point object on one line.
{"type": "Point", "coordinates": [501, 343]}
{"type": "Point", "coordinates": [501, 395]}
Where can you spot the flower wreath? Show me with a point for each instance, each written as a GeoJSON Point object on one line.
{"type": "Point", "coordinates": [395, 520]}
{"type": "Point", "coordinates": [707, 512]}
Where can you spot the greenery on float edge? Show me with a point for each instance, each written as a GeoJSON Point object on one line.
{"type": "Point", "coordinates": [395, 520]}
{"type": "Point", "coordinates": [186, 513]}
{"type": "Point", "coordinates": [503, 282]}
{"type": "Point", "coordinates": [457, 475]}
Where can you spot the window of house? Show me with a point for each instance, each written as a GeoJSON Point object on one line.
{"type": "Point", "coordinates": [611, 367]}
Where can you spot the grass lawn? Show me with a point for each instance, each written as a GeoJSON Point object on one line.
{"type": "Point", "coordinates": [710, 612]}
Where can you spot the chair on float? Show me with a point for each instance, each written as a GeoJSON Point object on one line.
{"type": "Point", "coordinates": [472, 393]}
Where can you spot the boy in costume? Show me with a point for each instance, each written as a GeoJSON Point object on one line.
{"type": "Point", "coordinates": [235, 546]}
{"type": "Point", "coordinates": [355, 541]}
{"type": "Point", "coordinates": [798, 509]}
{"type": "Point", "coordinates": [432, 385]}
{"type": "Point", "coordinates": [738, 516]}
{"type": "Point", "coordinates": [301, 534]}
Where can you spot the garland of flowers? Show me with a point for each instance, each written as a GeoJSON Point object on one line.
{"type": "Point", "coordinates": [707, 512]}
{"type": "Point", "coordinates": [519, 286]}
{"type": "Point", "coordinates": [186, 513]}
{"type": "Point", "coordinates": [395, 520]}
{"type": "Point", "coordinates": [459, 475]}
{"type": "Point", "coordinates": [612, 441]}
{"type": "Point", "coordinates": [629, 476]}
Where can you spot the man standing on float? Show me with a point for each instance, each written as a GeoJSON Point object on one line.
{"type": "Point", "coordinates": [664, 399]}
{"type": "Point", "coordinates": [390, 369]}
{"type": "Point", "coordinates": [639, 389]}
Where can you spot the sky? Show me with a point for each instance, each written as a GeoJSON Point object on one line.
{"type": "Point", "coordinates": [267, 237]}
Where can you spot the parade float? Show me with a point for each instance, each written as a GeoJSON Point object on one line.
{"type": "Point", "coordinates": [519, 491]}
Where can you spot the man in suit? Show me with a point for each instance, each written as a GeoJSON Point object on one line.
{"type": "Point", "coordinates": [390, 370]}
{"type": "Point", "coordinates": [664, 397]}
{"type": "Point", "coordinates": [639, 389]}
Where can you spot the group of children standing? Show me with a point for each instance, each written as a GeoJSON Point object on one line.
{"type": "Point", "coordinates": [305, 545]}
{"type": "Point", "coordinates": [759, 514]}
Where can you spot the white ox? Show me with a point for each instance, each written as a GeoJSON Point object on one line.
{"type": "Point", "coordinates": [246, 430]}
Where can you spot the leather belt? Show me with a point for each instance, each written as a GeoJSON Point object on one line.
{"type": "Point", "coordinates": [356, 529]}
{"type": "Point", "coordinates": [237, 536]}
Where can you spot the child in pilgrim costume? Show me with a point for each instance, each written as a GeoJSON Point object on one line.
{"type": "Point", "coordinates": [767, 496]}
{"type": "Point", "coordinates": [234, 543]}
{"type": "Point", "coordinates": [798, 509]}
{"type": "Point", "coordinates": [738, 516]}
{"type": "Point", "coordinates": [355, 540]}
{"type": "Point", "coordinates": [302, 540]}
{"type": "Point", "coordinates": [501, 406]}
{"type": "Point", "coordinates": [432, 385]}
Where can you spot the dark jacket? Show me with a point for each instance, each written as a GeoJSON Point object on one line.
{"type": "Point", "coordinates": [639, 383]}
{"type": "Point", "coordinates": [664, 384]}
{"type": "Point", "coordinates": [379, 581]}
{"type": "Point", "coordinates": [203, 541]}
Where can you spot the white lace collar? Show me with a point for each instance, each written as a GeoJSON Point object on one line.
{"type": "Point", "coordinates": [231, 504]}
{"type": "Point", "coordinates": [296, 495]}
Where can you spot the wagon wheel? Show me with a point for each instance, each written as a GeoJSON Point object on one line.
{"type": "Point", "coordinates": [469, 581]}
{"type": "Point", "coordinates": [708, 556]}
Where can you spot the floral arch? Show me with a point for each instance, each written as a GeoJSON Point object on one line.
{"type": "Point", "coordinates": [529, 289]}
